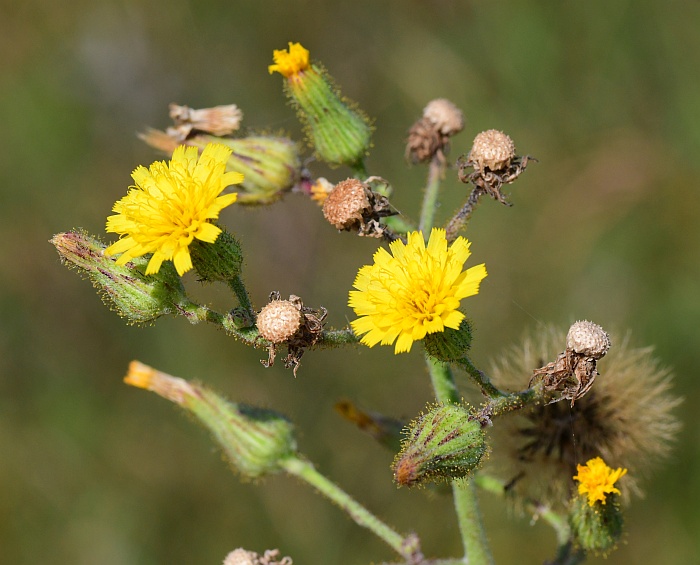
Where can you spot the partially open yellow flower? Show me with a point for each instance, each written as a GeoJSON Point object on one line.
{"type": "Point", "coordinates": [597, 480]}
{"type": "Point", "coordinates": [291, 62]}
{"type": "Point", "coordinates": [170, 205]}
{"type": "Point", "coordinates": [414, 291]}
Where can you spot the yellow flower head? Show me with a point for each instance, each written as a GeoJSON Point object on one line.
{"type": "Point", "coordinates": [170, 205]}
{"type": "Point", "coordinates": [597, 480]}
{"type": "Point", "coordinates": [414, 291]}
{"type": "Point", "coordinates": [291, 62]}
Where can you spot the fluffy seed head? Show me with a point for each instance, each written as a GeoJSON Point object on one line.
{"type": "Point", "coordinates": [626, 418]}
{"type": "Point", "coordinates": [492, 149]}
{"type": "Point", "coordinates": [278, 321]}
{"type": "Point", "coordinates": [344, 205]}
{"type": "Point", "coordinates": [589, 339]}
{"type": "Point", "coordinates": [445, 116]}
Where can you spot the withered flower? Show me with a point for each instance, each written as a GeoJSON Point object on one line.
{"type": "Point", "coordinates": [291, 323]}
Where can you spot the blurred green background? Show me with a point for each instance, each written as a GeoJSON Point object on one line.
{"type": "Point", "coordinates": [605, 227]}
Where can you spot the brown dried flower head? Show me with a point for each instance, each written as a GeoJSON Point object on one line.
{"type": "Point", "coordinates": [626, 418]}
{"type": "Point", "coordinates": [241, 556]}
{"type": "Point", "coordinates": [572, 374]}
{"type": "Point", "coordinates": [445, 116]}
{"type": "Point", "coordinates": [353, 205]}
{"type": "Point", "coordinates": [219, 120]}
{"type": "Point", "coordinates": [346, 204]}
{"type": "Point", "coordinates": [291, 323]}
{"type": "Point", "coordinates": [492, 149]}
{"type": "Point", "coordinates": [278, 321]}
{"type": "Point", "coordinates": [589, 339]}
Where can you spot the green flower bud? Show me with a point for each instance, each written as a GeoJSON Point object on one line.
{"type": "Point", "coordinates": [596, 528]}
{"type": "Point", "coordinates": [450, 345]}
{"type": "Point", "coordinates": [444, 443]}
{"type": "Point", "coordinates": [255, 441]}
{"type": "Point", "coordinates": [270, 165]}
{"type": "Point", "coordinates": [339, 133]}
{"type": "Point", "coordinates": [125, 288]}
{"type": "Point", "coordinates": [218, 261]}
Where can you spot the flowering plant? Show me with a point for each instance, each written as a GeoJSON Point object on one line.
{"type": "Point", "coordinates": [414, 293]}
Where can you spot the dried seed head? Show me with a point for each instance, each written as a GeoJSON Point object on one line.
{"type": "Point", "coordinates": [241, 556]}
{"type": "Point", "coordinates": [278, 321]}
{"type": "Point", "coordinates": [445, 116]}
{"type": "Point", "coordinates": [589, 339]}
{"type": "Point", "coordinates": [424, 141]}
{"type": "Point", "coordinates": [345, 204]}
{"type": "Point", "coordinates": [492, 149]}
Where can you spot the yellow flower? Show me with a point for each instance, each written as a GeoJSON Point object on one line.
{"type": "Point", "coordinates": [415, 292]}
{"type": "Point", "coordinates": [170, 205]}
{"type": "Point", "coordinates": [597, 480]}
{"type": "Point", "coordinates": [291, 62]}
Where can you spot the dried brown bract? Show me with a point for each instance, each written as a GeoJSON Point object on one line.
{"type": "Point", "coordinates": [291, 323]}
{"type": "Point", "coordinates": [353, 206]}
{"type": "Point", "coordinates": [573, 372]}
{"type": "Point", "coordinates": [494, 163]}
{"type": "Point", "coordinates": [430, 136]}
{"type": "Point", "coordinates": [219, 120]}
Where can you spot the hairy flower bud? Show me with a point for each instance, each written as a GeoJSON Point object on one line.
{"type": "Point", "coordinates": [492, 149]}
{"type": "Point", "coordinates": [254, 440]}
{"type": "Point", "coordinates": [218, 261]}
{"type": "Point", "coordinates": [444, 443]}
{"type": "Point", "coordinates": [339, 132]}
{"type": "Point", "coordinates": [139, 298]}
{"type": "Point", "coordinates": [596, 528]}
{"type": "Point", "coordinates": [271, 165]}
{"type": "Point", "coordinates": [589, 339]}
{"type": "Point", "coordinates": [449, 345]}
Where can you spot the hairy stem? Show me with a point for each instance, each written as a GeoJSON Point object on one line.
{"type": "Point", "coordinates": [363, 517]}
{"type": "Point", "coordinates": [471, 527]}
{"type": "Point", "coordinates": [436, 172]}
{"type": "Point", "coordinates": [480, 379]}
{"type": "Point", "coordinates": [459, 220]}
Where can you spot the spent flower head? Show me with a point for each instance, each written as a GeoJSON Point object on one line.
{"type": "Point", "coordinates": [627, 417]}
{"type": "Point", "coordinates": [413, 291]}
{"type": "Point", "coordinates": [170, 205]}
{"type": "Point", "coordinates": [596, 480]}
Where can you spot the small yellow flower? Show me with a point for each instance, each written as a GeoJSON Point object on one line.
{"type": "Point", "coordinates": [597, 480]}
{"type": "Point", "coordinates": [291, 62]}
{"type": "Point", "coordinates": [170, 205]}
{"type": "Point", "coordinates": [414, 291]}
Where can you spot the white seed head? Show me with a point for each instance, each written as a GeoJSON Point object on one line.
{"type": "Point", "coordinates": [344, 205]}
{"type": "Point", "coordinates": [445, 116]}
{"type": "Point", "coordinates": [589, 339]}
{"type": "Point", "coordinates": [278, 321]}
{"type": "Point", "coordinates": [492, 149]}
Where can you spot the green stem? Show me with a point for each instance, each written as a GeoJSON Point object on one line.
{"type": "Point", "coordinates": [241, 293]}
{"type": "Point", "coordinates": [470, 523]}
{"type": "Point", "coordinates": [443, 382]}
{"type": "Point", "coordinates": [359, 170]}
{"type": "Point", "coordinates": [306, 471]}
{"type": "Point", "coordinates": [558, 522]}
{"type": "Point", "coordinates": [436, 172]}
{"type": "Point", "coordinates": [471, 527]}
{"type": "Point", "coordinates": [480, 379]}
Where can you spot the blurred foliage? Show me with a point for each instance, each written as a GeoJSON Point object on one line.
{"type": "Point", "coordinates": [605, 227]}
